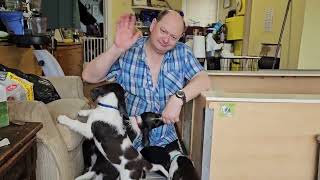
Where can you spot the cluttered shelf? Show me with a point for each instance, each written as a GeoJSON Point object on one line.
{"type": "Point", "coordinates": [144, 15]}
{"type": "Point", "coordinates": [149, 8]}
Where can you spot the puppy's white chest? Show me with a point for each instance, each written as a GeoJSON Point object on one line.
{"type": "Point", "coordinates": [110, 117]}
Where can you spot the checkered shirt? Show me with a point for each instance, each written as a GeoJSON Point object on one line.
{"type": "Point", "coordinates": [131, 71]}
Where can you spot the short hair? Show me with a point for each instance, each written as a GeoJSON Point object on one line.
{"type": "Point", "coordinates": [165, 12]}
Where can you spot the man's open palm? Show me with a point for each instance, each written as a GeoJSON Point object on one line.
{"type": "Point", "coordinates": [126, 34]}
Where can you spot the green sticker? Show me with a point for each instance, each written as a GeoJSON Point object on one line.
{"type": "Point", "coordinates": [227, 110]}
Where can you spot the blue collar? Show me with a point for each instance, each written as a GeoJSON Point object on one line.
{"type": "Point", "coordinates": [107, 106]}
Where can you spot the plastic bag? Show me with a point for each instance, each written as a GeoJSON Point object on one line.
{"type": "Point", "coordinates": [16, 88]}
{"type": "Point", "coordinates": [43, 89]}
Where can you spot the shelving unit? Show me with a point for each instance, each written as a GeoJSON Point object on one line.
{"type": "Point", "coordinates": [142, 27]}
{"type": "Point", "coordinates": [149, 7]}
{"type": "Point", "coordinates": [138, 9]}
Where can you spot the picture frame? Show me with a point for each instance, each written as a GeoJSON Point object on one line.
{"type": "Point", "coordinates": [226, 3]}
{"type": "Point", "coordinates": [95, 10]}
{"type": "Point", "coordinates": [139, 2]}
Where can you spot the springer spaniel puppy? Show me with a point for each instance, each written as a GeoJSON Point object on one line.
{"type": "Point", "coordinates": [95, 164]}
{"type": "Point", "coordinates": [180, 166]}
{"type": "Point", "coordinates": [107, 125]}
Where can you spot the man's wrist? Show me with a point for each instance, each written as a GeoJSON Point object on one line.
{"type": "Point", "coordinates": [116, 49]}
{"type": "Point", "coordinates": [181, 95]}
{"type": "Point", "coordinates": [179, 100]}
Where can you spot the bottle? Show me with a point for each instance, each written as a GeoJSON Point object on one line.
{"type": "Point", "coordinates": [76, 37]}
{"type": "Point", "coordinates": [217, 26]}
{"type": "Point", "coordinates": [223, 34]}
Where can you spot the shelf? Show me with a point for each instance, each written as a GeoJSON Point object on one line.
{"type": "Point", "coordinates": [150, 8]}
{"type": "Point", "coordinates": [142, 27]}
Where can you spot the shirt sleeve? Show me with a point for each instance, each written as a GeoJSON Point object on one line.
{"type": "Point", "coordinates": [114, 71]}
{"type": "Point", "coordinates": [192, 65]}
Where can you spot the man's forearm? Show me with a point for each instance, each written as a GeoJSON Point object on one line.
{"type": "Point", "coordinates": [96, 70]}
{"type": "Point", "coordinates": [199, 83]}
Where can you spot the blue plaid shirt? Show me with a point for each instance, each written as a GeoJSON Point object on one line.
{"type": "Point", "coordinates": [131, 71]}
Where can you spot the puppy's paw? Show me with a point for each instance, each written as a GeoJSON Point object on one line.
{"type": "Point", "coordinates": [62, 119]}
{"type": "Point", "coordinates": [83, 113]}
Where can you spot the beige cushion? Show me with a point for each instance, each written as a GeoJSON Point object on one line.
{"type": "Point", "coordinates": [70, 108]}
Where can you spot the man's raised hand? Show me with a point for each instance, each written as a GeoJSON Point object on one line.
{"type": "Point", "coordinates": [126, 34]}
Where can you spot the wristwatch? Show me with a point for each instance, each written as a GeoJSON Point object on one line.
{"type": "Point", "coordinates": [180, 94]}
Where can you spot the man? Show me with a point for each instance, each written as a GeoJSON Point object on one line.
{"type": "Point", "coordinates": [153, 71]}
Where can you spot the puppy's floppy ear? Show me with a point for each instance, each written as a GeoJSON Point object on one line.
{"type": "Point", "coordinates": [120, 93]}
{"type": "Point", "coordinates": [123, 108]}
{"type": "Point", "coordinates": [94, 93]}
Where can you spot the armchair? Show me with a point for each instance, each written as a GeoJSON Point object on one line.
{"type": "Point", "coordinates": [59, 150]}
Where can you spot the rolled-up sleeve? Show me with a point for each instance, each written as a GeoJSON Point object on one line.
{"type": "Point", "coordinates": [192, 65]}
{"type": "Point", "coordinates": [114, 71]}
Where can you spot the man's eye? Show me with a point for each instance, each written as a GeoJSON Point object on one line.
{"type": "Point", "coordinates": [174, 37]}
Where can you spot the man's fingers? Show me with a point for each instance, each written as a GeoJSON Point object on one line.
{"type": "Point", "coordinates": [124, 20]}
{"type": "Point", "coordinates": [132, 22]}
{"type": "Point", "coordinates": [165, 120]}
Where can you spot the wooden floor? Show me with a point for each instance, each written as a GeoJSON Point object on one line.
{"type": "Point", "coordinates": [154, 176]}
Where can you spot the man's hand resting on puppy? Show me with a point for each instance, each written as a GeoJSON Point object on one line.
{"type": "Point", "coordinates": [172, 110]}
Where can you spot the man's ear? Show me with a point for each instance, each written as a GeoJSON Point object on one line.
{"type": "Point", "coordinates": [153, 24]}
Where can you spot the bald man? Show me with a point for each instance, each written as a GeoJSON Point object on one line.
{"type": "Point", "coordinates": [158, 73]}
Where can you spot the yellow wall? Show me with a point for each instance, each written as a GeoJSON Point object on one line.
{"type": "Point", "coordinates": [309, 50]}
{"type": "Point", "coordinates": [292, 33]}
{"type": "Point", "coordinates": [119, 7]}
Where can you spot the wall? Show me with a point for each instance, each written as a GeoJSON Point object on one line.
{"type": "Point", "coordinates": [309, 49]}
{"type": "Point", "coordinates": [223, 12]}
{"type": "Point", "coordinates": [292, 33]}
{"type": "Point", "coordinates": [200, 12]}
{"type": "Point", "coordinates": [116, 9]}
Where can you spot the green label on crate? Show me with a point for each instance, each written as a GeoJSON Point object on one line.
{"type": "Point", "coordinates": [227, 110]}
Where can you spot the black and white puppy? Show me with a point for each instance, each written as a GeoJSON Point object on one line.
{"type": "Point", "coordinates": [181, 167]}
{"type": "Point", "coordinates": [96, 166]}
{"type": "Point", "coordinates": [149, 121]}
{"type": "Point", "coordinates": [106, 126]}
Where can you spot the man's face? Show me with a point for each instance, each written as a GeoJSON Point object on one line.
{"type": "Point", "coordinates": [166, 33]}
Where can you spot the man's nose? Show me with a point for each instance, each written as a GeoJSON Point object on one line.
{"type": "Point", "coordinates": [166, 39]}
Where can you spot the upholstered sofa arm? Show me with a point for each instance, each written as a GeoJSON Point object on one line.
{"type": "Point", "coordinates": [48, 138]}
{"type": "Point", "coordinates": [68, 86]}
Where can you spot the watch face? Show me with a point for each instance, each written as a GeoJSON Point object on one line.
{"type": "Point", "coordinates": [180, 93]}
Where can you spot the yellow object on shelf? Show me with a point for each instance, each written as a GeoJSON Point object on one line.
{"type": "Point", "coordinates": [68, 40]}
{"type": "Point", "coordinates": [235, 28]}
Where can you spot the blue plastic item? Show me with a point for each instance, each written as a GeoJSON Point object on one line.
{"type": "Point", "coordinates": [13, 20]}
{"type": "Point", "coordinates": [216, 27]}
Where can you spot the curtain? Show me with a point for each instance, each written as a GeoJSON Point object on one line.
{"type": "Point", "coordinates": [61, 13]}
